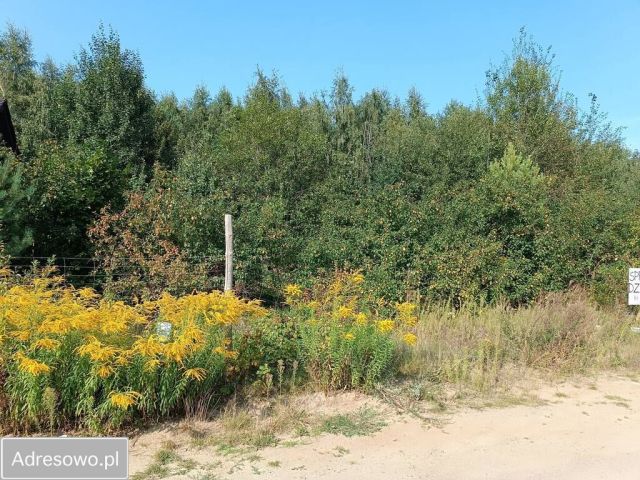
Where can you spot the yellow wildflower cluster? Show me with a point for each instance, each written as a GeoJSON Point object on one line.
{"type": "Point", "coordinates": [216, 308]}
{"type": "Point", "coordinates": [385, 326]}
{"type": "Point", "coordinates": [407, 313]}
{"type": "Point", "coordinates": [343, 300]}
{"type": "Point", "coordinates": [408, 318]}
{"type": "Point", "coordinates": [40, 319]}
{"type": "Point", "coordinates": [410, 339]}
{"type": "Point", "coordinates": [225, 352]}
{"type": "Point", "coordinates": [292, 293]}
{"type": "Point", "coordinates": [293, 290]}
{"type": "Point", "coordinates": [123, 400]}
{"type": "Point", "coordinates": [344, 312]}
{"type": "Point", "coordinates": [45, 344]}
{"type": "Point", "coordinates": [198, 374]}
{"type": "Point", "coordinates": [357, 278]}
{"type": "Point", "coordinates": [360, 318]}
{"type": "Point", "coordinates": [105, 371]}
{"type": "Point", "coordinates": [30, 365]}
{"type": "Point", "coordinates": [96, 350]}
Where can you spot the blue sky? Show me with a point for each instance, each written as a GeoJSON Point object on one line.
{"type": "Point", "coordinates": [441, 48]}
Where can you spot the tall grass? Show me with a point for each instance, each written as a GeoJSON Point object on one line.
{"type": "Point", "coordinates": [563, 334]}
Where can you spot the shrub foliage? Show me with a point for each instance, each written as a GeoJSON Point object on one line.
{"type": "Point", "coordinates": [526, 192]}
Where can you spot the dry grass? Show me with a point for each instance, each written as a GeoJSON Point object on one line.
{"type": "Point", "coordinates": [484, 348]}
{"type": "Point", "coordinates": [247, 425]}
{"type": "Point", "coordinates": [251, 424]}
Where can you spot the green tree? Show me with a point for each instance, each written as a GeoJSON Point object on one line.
{"type": "Point", "coordinates": [70, 185]}
{"type": "Point", "coordinates": [14, 194]}
{"type": "Point", "coordinates": [112, 104]}
{"type": "Point", "coordinates": [529, 109]}
{"type": "Point", "coordinates": [17, 72]}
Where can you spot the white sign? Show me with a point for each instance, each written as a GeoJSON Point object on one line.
{"type": "Point", "coordinates": [634, 286]}
{"type": "Point", "coordinates": [163, 330]}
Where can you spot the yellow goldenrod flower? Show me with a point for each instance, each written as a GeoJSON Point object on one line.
{"type": "Point", "coordinates": [123, 400]}
{"type": "Point", "coordinates": [225, 353]}
{"type": "Point", "coordinates": [197, 374]}
{"type": "Point", "coordinates": [105, 371]}
{"type": "Point", "coordinates": [344, 312]}
{"type": "Point", "coordinates": [357, 278]}
{"type": "Point", "coordinates": [113, 326]}
{"type": "Point", "coordinates": [385, 326]}
{"type": "Point", "coordinates": [21, 335]}
{"type": "Point", "coordinates": [335, 287]}
{"type": "Point", "coordinates": [410, 339]}
{"type": "Point", "coordinates": [123, 358]}
{"type": "Point", "coordinates": [176, 351]}
{"type": "Point", "coordinates": [96, 351]}
{"type": "Point", "coordinates": [349, 336]}
{"type": "Point", "coordinates": [361, 318]}
{"type": "Point", "coordinates": [151, 365]}
{"type": "Point", "coordinates": [87, 294]}
{"type": "Point", "coordinates": [54, 327]}
{"type": "Point", "coordinates": [406, 313]}
{"type": "Point", "coordinates": [292, 291]}
{"type": "Point", "coordinates": [406, 309]}
{"type": "Point", "coordinates": [45, 344]}
{"type": "Point", "coordinates": [148, 347]}
{"type": "Point", "coordinates": [30, 365]}
{"type": "Point", "coordinates": [192, 335]}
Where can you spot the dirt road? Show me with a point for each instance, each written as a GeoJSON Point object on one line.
{"type": "Point", "coordinates": [581, 430]}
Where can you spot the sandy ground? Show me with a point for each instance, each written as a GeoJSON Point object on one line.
{"type": "Point", "coordinates": [581, 429]}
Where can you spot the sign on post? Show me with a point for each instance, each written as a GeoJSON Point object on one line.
{"type": "Point", "coordinates": [634, 286]}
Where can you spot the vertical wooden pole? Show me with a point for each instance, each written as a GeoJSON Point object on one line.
{"type": "Point", "coordinates": [228, 253]}
{"type": "Point", "coordinates": [228, 268]}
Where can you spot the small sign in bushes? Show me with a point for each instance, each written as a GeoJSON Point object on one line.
{"type": "Point", "coordinates": [634, 286]}
{"type": "Point", "coordinates": [163, 330]}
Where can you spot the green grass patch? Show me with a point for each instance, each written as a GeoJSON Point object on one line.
{"type": "Point", "coordinates": [362, 422]}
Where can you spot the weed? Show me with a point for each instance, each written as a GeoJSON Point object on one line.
{"type": "Point", "coordinates": [165, 456]}
{"type": "Point", "coordinates": [364, 421]}
{"type": "Point", "coordinates": [340, 451]}
{"type": "Point", "coordinates": [616, 398]}
{"type": "Point", "coordinates": [255, 470]}
{"type": "Point", "coordinates": [205, 476]}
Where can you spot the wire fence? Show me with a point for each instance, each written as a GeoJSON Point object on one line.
{"type": "Point", "coordinates": [96, 271]}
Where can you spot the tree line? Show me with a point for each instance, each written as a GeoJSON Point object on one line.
{"type": "Point", "coordinates": [521, 193]}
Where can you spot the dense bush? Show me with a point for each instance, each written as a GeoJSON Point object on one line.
{"type": "Point", "coordinates": [524, 193]}
{"type": "Point", "coordinates": [14, 231]}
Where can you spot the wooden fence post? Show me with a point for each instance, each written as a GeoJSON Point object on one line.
{"type": "Point", "coordinates": [228, 253]}
{"type": "Point", "coordinates": [228, 268]}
